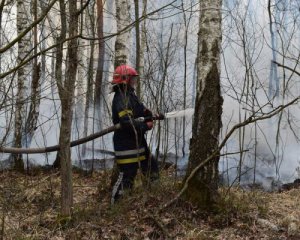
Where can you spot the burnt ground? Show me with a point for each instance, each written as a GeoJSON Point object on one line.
{"type": "Point", "coordinates": [30, 206]}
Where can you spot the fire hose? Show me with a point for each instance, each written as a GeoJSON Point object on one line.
{"type": "Point", "coordinates": [77, 142]}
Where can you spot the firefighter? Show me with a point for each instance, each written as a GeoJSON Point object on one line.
{"type": "Point", "coordinates": [131, 149]}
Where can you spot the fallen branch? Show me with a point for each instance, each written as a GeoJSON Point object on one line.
{"type": "Point", "coordinates": [159, 224]}
{"type": "Point", "coordinates": [29, 28]}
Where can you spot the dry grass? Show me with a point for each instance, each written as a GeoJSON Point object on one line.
{"type": "Point", "coordinates": [30, 210]}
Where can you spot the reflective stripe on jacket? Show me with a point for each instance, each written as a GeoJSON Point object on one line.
{"type": "Point", "coordinates": [130, 156]}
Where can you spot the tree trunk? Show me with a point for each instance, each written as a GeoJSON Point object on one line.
{"type": "Point", "coordinates": [123, 20]}
{"type": "Point", "coordinates": [24, 46]}
{"type": "Point", "coordinates": [33, 113]}
{"type": "Point", "coordinates": [165, 62]}
{"type": "Point", "coordinates": [138, 47]}
{"type": "Point", "coordinates": [2, 3]}
{"type": "Point", "coordinates": [186, 28]}
{"type": "Point", "coordinates": [90, 77]}
{"type": "Point", "coordinates": [98, 95]}
{"type": "Point", "coordinates": [81, 83]}
{"type": "Point", "coordinates": [59, 61]}
{"type": "Point", "coordinates": [43, 35]}
{"type": "Point", "coordinates": [142, 49]}
{"type": "Point", "coordinates": [66, 94]}
{"type": "Point", "coordinates": [121, 52]}
{"type": "Point", "coordinates": [99, 73]}
{"type": "Point", "coordinates": [273, 79]}
{"type": "Point", "coordinates": [208, 109]}
{"type": "Point", "coordinates": [5, 86]}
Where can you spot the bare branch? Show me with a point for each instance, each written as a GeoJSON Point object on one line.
{"type": "Point", "coordinates": [286, 67]}
{"type": "Point", "coordinates": [22, 34]}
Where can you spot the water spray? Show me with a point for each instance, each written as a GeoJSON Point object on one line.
{"type": "Point", "coordinates": [180, 113]}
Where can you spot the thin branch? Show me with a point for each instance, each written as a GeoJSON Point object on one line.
{"type": "Point", "coordinates": [286, 67]}
{"type": "Point", "coordinates": [22, 34]}
{"type": "Point", "coordinates": [34, 56]}
{"type": "Point", "coordinates": [131, 25]}
{"type": "Point", "coordinates": [83, 7]}
{"type": "Point", "coordinates": [79, 36]}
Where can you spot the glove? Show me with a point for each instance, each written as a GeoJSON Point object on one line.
{"type": "Point", "coordinates": [147, 113]}
{"type": "Point", "coordinates": [149, 124]}
{"type": "Point", "coordinates": [158, 116]}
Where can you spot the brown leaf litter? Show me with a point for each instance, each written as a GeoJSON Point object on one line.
{"type": "Point", "coordinates": [30, 206]}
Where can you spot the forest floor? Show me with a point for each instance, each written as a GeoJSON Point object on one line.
{"type": "Point", "coordinates": [30, 205]}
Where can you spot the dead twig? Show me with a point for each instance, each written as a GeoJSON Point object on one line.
{"type": "Point", "coordinates": [158, 224]}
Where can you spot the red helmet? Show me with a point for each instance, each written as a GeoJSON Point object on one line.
{"type": "Point", "coordinates": [123, 74]}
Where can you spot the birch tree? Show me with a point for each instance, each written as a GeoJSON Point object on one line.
{"type": "Point", "coordinates": [90, 20]}
{"type": "Point", "coordinates": [142, 47]}
{"type": "Point", "coordinates": [186, 21]}
{"type": "Point", "coordinates": [23, 79]}
{"type": "Point", "coordinates": [121, 51]}
{"type": "Point", "coordinates": [123, 20]}
{"type": "Point", "coordinates": [99, 72]}
{"type": "Point", "coordinates": [138, 44]}
{"type": "Point", "coordinates": [35, 95]}
{"type": "Point", "coordinates": [274, 80]}
{"type": "Point", "coordinates": [208, 108]}
{"type": "Point", "coordinates": [81, 83]}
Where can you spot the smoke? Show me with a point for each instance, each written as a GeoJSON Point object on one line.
{"type": "Point", "coordinates": [181, 113]}
{"type": "Point", "coordinates": [267, 151]}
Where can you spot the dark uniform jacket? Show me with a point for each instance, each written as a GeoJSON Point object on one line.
{"type": "Point", "coordinates": [129, 142]}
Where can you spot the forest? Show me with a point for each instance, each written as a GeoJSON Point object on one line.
{"type": "Point", "coordinates": [223, 78]}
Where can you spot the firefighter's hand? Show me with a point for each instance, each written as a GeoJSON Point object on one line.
{"type": "Point", "coordinates": [158, 116]}
{"type": "Point", "coordinates": [149, 124]}
{"type": "Point", "coordinates": [147, 113]}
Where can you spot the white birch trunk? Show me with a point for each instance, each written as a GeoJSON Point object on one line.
{"type": "Point", "coordinates": [90, 21]}
{"type": "Point", "coordinates": [80, 85]}
{"type": "Point", "coordinates": [273, 78]}
{"type": "Point", "coordinates": [24, 46]}
{"type": "Point", "coordinates": [123, 39]}
{"type": "Point", "coordinates": [202, 187]}
{"type": "Point", "coordinates": [79, 113]}
{"type": "Point", "coordinates": [143, 42]}
{"type": "Point", "coordinates": [35, 95]}
{"type": "Point", "coordinates": [109, 56]}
